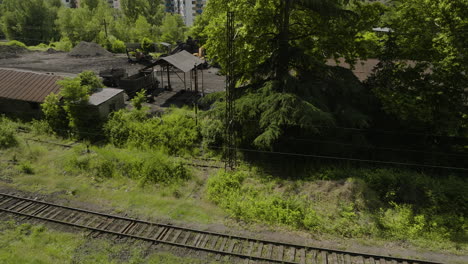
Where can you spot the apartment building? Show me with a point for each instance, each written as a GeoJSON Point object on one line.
{"type": "Point", "coordinates": [188, 9]}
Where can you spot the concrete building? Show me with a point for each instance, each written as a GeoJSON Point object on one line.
{"type": "Point", "coordinates": [22, 93]}
{"type": "Point", "coordinates": [188, 9]}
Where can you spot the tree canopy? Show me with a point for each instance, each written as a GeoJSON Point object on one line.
{"type": "Point", "coordinates": [281, 48]}
{"type": "Point", "coordinates": [422, 75]}
{"type": "Point", "coordinates": [31, 21]}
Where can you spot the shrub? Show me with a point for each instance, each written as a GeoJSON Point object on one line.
{"type": "Point", "coordinates": [175, 132]}
{"type": "Point", "coordinates": [7, 133]}
{"type": "Point", "coordinates": [118, 46]}
{"type": "Point", "coordinates": [26, 167]}
{"type": "Point", "coordinates": [253, 203]}
{"type": "Point", "coordinates": [14, 43]}
{"type": "Point", "coordinates": [63, 45]}
{"type": "Point", "coordinates": [147, 45]}
{"type": "Point", "coordinates": [41, 47]}
{"type": "Point", "coordinates": [146, 167]}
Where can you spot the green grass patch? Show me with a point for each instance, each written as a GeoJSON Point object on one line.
{"type": "Point", "coordinates": [7, 133]}
{"type": "Point", "coordinates": [175, 132]}
{"type": "Point", "coordinates": [36, 244]}
{"type": "Point", "coordinates": [369, 203]}
{"type": "Point", "coordinates": [145, 183]}
{"type": "Point", "coordinates": [144, 166]}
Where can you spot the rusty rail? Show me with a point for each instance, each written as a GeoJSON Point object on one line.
{"type": "Point", "coordinates": [250, 250]}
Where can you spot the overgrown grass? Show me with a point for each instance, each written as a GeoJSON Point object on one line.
{"type": "Point", "coordinates": [144, 166]}
{"type": "Point", "coordinates": [368, 203]}
{"type": "Point", "coordinates": [7, 133]}
{"type": "Point", "coordinates": [14, 43]}
{"type": "Point", "coordinates": [175, 132]}
{"type": "Point", "coordinates": [33, 244]}
{"type": "Point", "coordinates": [36, 244]}
{"type": "Point", "coordinates": [62, 45]}
{"type": "Point", "coordinates": [145, 183]}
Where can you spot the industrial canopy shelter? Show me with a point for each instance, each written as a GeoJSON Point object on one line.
{"type": "Point", "coordinates": [184, 62]}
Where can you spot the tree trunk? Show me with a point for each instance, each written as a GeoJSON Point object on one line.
{"type": "Point", "coordinates": [282, 62]}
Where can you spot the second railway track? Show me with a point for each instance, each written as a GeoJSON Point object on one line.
{"type": "Point", "coordinates": [248, 250]}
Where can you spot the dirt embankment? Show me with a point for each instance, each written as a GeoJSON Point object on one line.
{"type": "Point", "coordinates": [7, 52]}
{"type": "Point", "coordinates": [89, 49]}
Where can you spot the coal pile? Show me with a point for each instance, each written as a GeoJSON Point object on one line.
{"type": "Point", "coordinates": [7, 52]}
{"type": "Point", "coordinates": [89, 49]}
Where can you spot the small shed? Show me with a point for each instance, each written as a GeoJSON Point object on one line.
{"type": "Point", "coordinates": [107, 100]}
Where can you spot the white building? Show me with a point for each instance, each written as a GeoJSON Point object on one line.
{"type": "Point", "coordinates": [188, 9]}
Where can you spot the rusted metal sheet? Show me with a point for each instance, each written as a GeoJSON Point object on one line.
{"type": "Point", "coordinates": [183, 61]}
{"type": "Point", "coordinates": [27, 86]}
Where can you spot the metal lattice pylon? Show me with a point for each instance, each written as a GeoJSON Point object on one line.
{"type": "Point", "coordinates": [230, 146]}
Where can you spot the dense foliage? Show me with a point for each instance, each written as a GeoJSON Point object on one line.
{"type": "Point", "coordinates": [143, 166]}
{"type": "Point", "coordinates": [387, 203]}
{"type": "Point", "coordinates": [48, 21]}
{"type": "Point", "coordinates": [68, 109]}
{"type": "Point", "coordinates": [175, 132]}
{"type": "Point", "coordinates": [285, 90]}
{"type": "Point", "coordinates": [7, 133]}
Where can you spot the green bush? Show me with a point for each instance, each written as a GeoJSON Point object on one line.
{"type": "Point", "coordinates": [40, 47]}
{"type": "Point", "coordinates": [7, 133]}
{"type": "Point", "coordinates": [146, 167]}
{"type": "Point", "coordinates": [118, 46]}
{"type": "Point", "coordinates": [147, 45]}
{"type": "Point", "coordinates": [175, 132]}
{"type": "Point", "coordinates": [257, 204]}
{"type": "Point", "coordinates": [26, 167]}
{"type": "Point", "coordinates": [63, 45]}
{"type": "Point", "coordinates": [14, 43]}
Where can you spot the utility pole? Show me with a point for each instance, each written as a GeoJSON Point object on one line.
{"type": "Point", "coordinates": [105, 28]}
{"type": "Point", "coordinates": [230, 145]}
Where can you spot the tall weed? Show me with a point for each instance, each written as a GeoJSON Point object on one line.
{"type": "Point", "coordinates": [249, 203]}
{"type": "Point", "coordinates": [144, 166]}
{"type": "Point", "coordinates": [175, 132]}
{"type": "Point", "coordinates": [7, 133]}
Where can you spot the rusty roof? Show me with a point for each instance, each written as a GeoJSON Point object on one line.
{"type": "Point", "coordinates": [27, 86]}
{"type": "Point", "coordinates": [362, 69]}
{"type": "Point", "coordinates": [182, 60]}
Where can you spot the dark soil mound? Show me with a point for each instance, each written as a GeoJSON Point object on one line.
{"type": "Point", "coordinates": [89, 49]}
{"type": "Point", "coordinates": [13, 51]}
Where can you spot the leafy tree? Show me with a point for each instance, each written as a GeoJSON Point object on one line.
{"type": "Point", "coordinates": [31, 21]}
{"type": "Point", "coordinates": [91, 4]}
{"type": "Point", "coordinates": [281, 48]}
{"type": "Point", "coordinates": [428, 92]}
{"type": "Point", "coordinates": [86, 24]}
{"type": "Point", "coordinates": [68, 108]}
{"type": "Point", "coordinates": [138, 100]}
{"type": "Point", "coordinates": [134, 8]}
{"type": "Point", "coordinates": [152, 10]}
{"type": "Point", "coordinates": [142, 29]}
{"type": "Point", "coordinates": [172, 28]}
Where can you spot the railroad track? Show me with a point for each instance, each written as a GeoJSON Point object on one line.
{"type": "Point", "coordinates": [246, 250]}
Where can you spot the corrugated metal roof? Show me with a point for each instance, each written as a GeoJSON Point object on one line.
{"type": "Point", "coordinates": [102, 95]}
{"type": "Point", "coordinates": [183, 61]}
{"type": "Point", "coordinates": [27, 86]}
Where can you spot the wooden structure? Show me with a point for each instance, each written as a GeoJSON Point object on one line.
{"type": "Point", "coordinates": [184, 62]}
